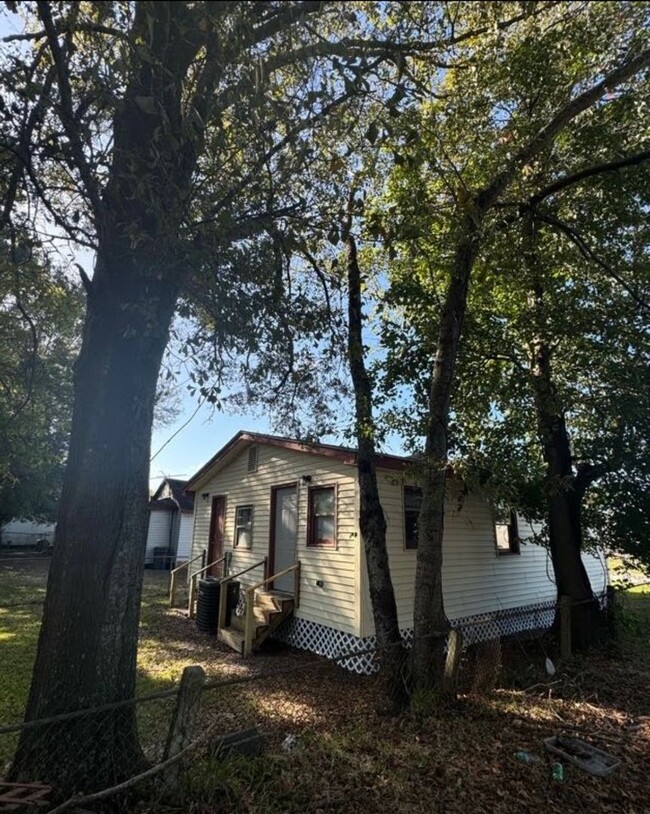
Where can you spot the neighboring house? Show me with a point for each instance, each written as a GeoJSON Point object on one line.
{"type": "Point", "coordinates": [262, 496]}
{"type": "Point", "coordinates": [23, 533]}
{"type": "Point", "coordinates": [170, 524]}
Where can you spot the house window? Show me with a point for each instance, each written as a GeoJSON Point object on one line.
{"type": "Point", "coordinates": [252, 458]}
{"type": "Point", "coordinates": [412, 505]}
{"type": "Point", "coordinates": [506, 531]}
{"type": "Point", "coordinates": [321, 530]}
{"type": "Point", "coordinates": [243, 527]}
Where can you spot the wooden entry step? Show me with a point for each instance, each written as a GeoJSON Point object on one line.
{"type": "Point", "coordinates": [270, 609]}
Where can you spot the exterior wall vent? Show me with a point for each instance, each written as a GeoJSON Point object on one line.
{"type": "Point", "coordinates": [252, 458]}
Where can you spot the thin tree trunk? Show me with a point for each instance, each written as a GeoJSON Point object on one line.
{"type": "Point", "coordinates": [430, 624]}
{"type": "Point", "coordinates": [563, 492]}
{"type": "Point", "coordinates": [564, 502]}
{"type": "Point", "coordinates": [371, 516]}
{"type": "Point", "coordinates": [91, 611]}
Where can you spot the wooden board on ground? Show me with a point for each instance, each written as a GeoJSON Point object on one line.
{"type": "Point", "coordinates": [21, 796]}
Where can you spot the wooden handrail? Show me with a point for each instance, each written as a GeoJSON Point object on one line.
{"type": "Point", "coordinates": [249, 626]}
{"type": "Point", "coordinates": [294, 567]}
{"type": "Point", "coordinates": [221, 619]}
{"type": "Point", "coordinates": [245, 570]}
{"type": "Point", "coordinates": [172, 576]}
{"type": "Point", "coordinates": [209, 565]}
{"type": "Point", "coordinates": [192, 600]}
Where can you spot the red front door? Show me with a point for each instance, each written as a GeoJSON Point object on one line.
{"type": "Point", "coordinates": [215, 542]}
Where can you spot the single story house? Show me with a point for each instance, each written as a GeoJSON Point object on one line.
{"type": "Point", "coordinates": [262, 496]}
{"type": "Point", "coordinates": [170, 524]}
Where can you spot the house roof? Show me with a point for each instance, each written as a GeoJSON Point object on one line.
{"type": "Point", "coordinates": [237, 443]}
{"type": "Point", "coordinates": [184, 501]}
{"type": "Point", "coordinates": [163, 503]}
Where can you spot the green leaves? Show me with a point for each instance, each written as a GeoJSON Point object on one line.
{"type": "Point", "coordinates": [39, 333]}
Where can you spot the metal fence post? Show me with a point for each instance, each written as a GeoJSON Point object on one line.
{"type": "Point", "coordinates": [184, 718]}
{"type": "Point", "coordinates": [565, 626]}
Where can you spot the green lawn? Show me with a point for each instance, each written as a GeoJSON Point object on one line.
{"type": "Point", "coordinates": [636, 601]}
{"type": "Point", "coordinates": [22, 590]}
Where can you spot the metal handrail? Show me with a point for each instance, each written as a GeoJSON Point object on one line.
{"type": "Point", "coordinates": [221, 618]}
{"type": "Point", "coordinates": [192, 599]}
{"type": "Point", "coordinates": [174, 571]}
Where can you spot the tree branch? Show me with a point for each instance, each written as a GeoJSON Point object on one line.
{"type": "Point", "coordinates": [274, 150]}
{"type": "Point", "coordinates": [588, 474]}
{"type": "Point", "coordinates": [488, 196]}
{"type": "Point", "coordinates": [354, 48]}
{"type": "Point", "coordinates": [598, 169]}
{"type": "Point", "coordinates": [83, 28]}
{"type": "Point", "coordinates": [21, 154]}
{"type": "Point", "coordinates": [68, 118]}
{"type": "Point", "coordinates": [588, 253]}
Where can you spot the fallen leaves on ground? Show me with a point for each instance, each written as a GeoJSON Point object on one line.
{"type": "Point", "coordinates": [458, 759]}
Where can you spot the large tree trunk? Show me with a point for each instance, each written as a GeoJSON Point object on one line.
{"type": "Point", "coordinates": [91, 612]}
{"type": "Point", "coordinates": [430, 624]}
{"type": "Point", "coordinates": [371, 516]}
{"type": "Point", "coordinates": [88, 641]}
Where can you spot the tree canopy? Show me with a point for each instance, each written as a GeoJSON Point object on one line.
{"type": "Point", "coordinates": [40, 317]}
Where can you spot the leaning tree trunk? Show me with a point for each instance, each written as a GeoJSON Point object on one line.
{"type": "Point", "coordinates": [371, 516]}
{"type": "Point", "coordinates": [430, 624]}
{"type": "Point", "coordinates": [91, 612]}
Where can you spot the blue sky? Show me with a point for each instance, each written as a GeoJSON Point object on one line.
{"type": "Point", "coordinates": [198, 441]}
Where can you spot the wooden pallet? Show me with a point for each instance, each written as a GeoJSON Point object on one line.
{"type": "Point", "coordinates": [17, 796]}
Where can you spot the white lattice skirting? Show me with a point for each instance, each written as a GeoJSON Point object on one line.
{"type": "Point", "coordinates": [342, 647]}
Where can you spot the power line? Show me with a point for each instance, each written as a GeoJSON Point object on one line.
{"type": "Point", "coordinates": [180, 429]}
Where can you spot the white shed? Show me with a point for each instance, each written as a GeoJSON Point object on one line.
{"type": "Point", "coordinates": [171, 517]}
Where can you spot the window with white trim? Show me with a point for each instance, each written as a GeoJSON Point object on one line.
{"type": "Point", "coordinates": [321, 532]}
{"type": "Point", "coordinates": [506, 531]}
{"type": "Point", "coordinates": [244, 527]}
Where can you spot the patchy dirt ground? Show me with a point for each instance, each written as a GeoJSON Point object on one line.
{"type": "Point", "coordinates": [346, 758]}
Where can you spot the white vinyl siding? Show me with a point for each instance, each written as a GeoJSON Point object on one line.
{"type": "Point", "coordinates": [475, 579]}
{"type": "Point", "coordinates": [336, 602]}
{"type": "Point", "coordinates": [184, 537]}
{"type": "Point", "coordinates": [157, 533]}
